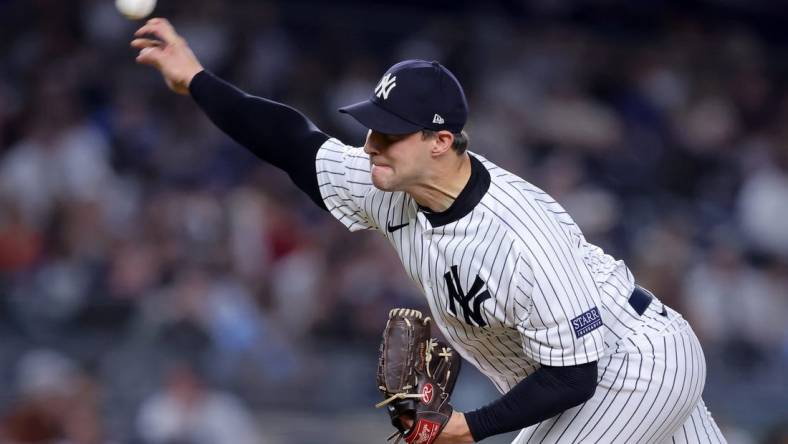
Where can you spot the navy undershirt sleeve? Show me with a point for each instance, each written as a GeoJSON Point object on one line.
{"type": "Point", "coordinates": [274, 132]}
{"type": "Point", "coordinates": [542, 395]}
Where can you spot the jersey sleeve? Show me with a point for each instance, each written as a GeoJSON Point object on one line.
{"type": "Point", "coordinates": [560, 322]}
{"type": "Point", "coordinates": [343, 175]}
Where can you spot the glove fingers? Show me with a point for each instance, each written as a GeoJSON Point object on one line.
{"type": "Point", "coordinates": [403, 338]}
{"type": "Point", "coordinates": [445, 366]}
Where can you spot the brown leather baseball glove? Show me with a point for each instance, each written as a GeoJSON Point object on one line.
{"type": "Point", "coordinates": [416, 375]}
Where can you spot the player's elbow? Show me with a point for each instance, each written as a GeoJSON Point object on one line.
{"type": "Point", "coordinates": [584, 392]}
{"type": "Point", "coordinates": [576, 382]}
{"type": "Point", "coordinates": [584, 382]}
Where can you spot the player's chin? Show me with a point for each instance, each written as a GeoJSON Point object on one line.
{"type": "Point", "coordinates": [383, 178]}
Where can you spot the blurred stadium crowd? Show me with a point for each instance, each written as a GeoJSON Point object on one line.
{"type": "Point", "coordinates": [158, 284]}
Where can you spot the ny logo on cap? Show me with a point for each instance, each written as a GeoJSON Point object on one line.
{"type": "Point", "coordinates": [387, 83]}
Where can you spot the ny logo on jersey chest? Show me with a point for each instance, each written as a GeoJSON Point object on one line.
{"type": "Point", "coordinates": [470, 303]}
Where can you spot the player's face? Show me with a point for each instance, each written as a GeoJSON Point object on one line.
{"type": "Point", "coordinates": [398, 161]}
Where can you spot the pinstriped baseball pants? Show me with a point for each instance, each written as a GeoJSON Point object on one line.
{"type": "Point", "coordinates": [649, 391]}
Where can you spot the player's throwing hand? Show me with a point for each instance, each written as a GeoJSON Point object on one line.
{"type": "Point", "coordinates": [161, 47]}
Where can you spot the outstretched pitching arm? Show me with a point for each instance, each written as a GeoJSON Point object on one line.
{"type": "Point", "coordinates": [276, 133]}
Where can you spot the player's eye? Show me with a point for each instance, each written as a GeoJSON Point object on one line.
{"type": "Point", "coordinates": [386, 139]}
{"type": "Point", "coordinates": [392, 138]}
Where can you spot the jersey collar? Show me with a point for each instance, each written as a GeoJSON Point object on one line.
{"type": "Point", "coordinates": [469, 197]}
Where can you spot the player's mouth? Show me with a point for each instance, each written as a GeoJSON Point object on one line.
{"type": "Point", "coordinates": [379, 164]}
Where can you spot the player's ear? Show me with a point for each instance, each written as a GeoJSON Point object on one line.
{"type": "Point", "coordinates": [442, 142]}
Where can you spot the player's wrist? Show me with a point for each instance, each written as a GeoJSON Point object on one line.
{"type": "Point", "coordinates": [456, 431]}
{"type": "Point", "coordinates": [181, 81]}
{"type": "Point", "coordinates": [192, 65]}
{"type": "Point", "coordinates": [191, 73]}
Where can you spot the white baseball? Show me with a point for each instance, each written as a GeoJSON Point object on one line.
{"type": "Point", "coordinates": [135, 9]}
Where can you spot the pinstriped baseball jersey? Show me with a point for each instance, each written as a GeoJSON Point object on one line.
{"type": "Point", "coordinates": [513, 284]}
{"type": "Point", "coordinates": [509, 277]}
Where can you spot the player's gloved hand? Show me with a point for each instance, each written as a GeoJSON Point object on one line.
{"type": "Point", "coordinates": [161, 47]}
{"type": "Point", "coordinates": [416, 375]}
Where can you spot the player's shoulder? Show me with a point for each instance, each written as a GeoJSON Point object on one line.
{"type": "Point", "coordinates": [502, 192]}
{"type": "Point", "coordinates": [335, 149]}
{"type": "Point", "coordinates": [515, 204]}
{"type": "Point", "coordinates": [508, 186]}
{"type": "Point", "coordinates": [344, 164]}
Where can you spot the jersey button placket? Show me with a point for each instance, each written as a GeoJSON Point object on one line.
{"type": "Point", "coordinates": [427, 255]}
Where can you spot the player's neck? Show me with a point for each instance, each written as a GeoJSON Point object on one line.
{"type": "Point", "coordinates": [442, 186]}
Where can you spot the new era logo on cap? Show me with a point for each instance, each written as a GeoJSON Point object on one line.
{"type": "Point", "coordinates": [427, 96]}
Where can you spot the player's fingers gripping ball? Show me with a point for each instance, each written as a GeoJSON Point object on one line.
{"type": "Point", "coordinates": [416, 375]}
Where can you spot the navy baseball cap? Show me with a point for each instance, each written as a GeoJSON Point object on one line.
{"type": "Point", "coordinates": [413, 95]}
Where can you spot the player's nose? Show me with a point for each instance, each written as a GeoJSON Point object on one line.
{"type": "Point", "coordinates": [370, 149]}
{"type": "Point", "coordinates": [373, 143]}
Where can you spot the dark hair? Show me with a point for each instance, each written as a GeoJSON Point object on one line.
{"type": "Point", "coordinates": [460, 143]}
